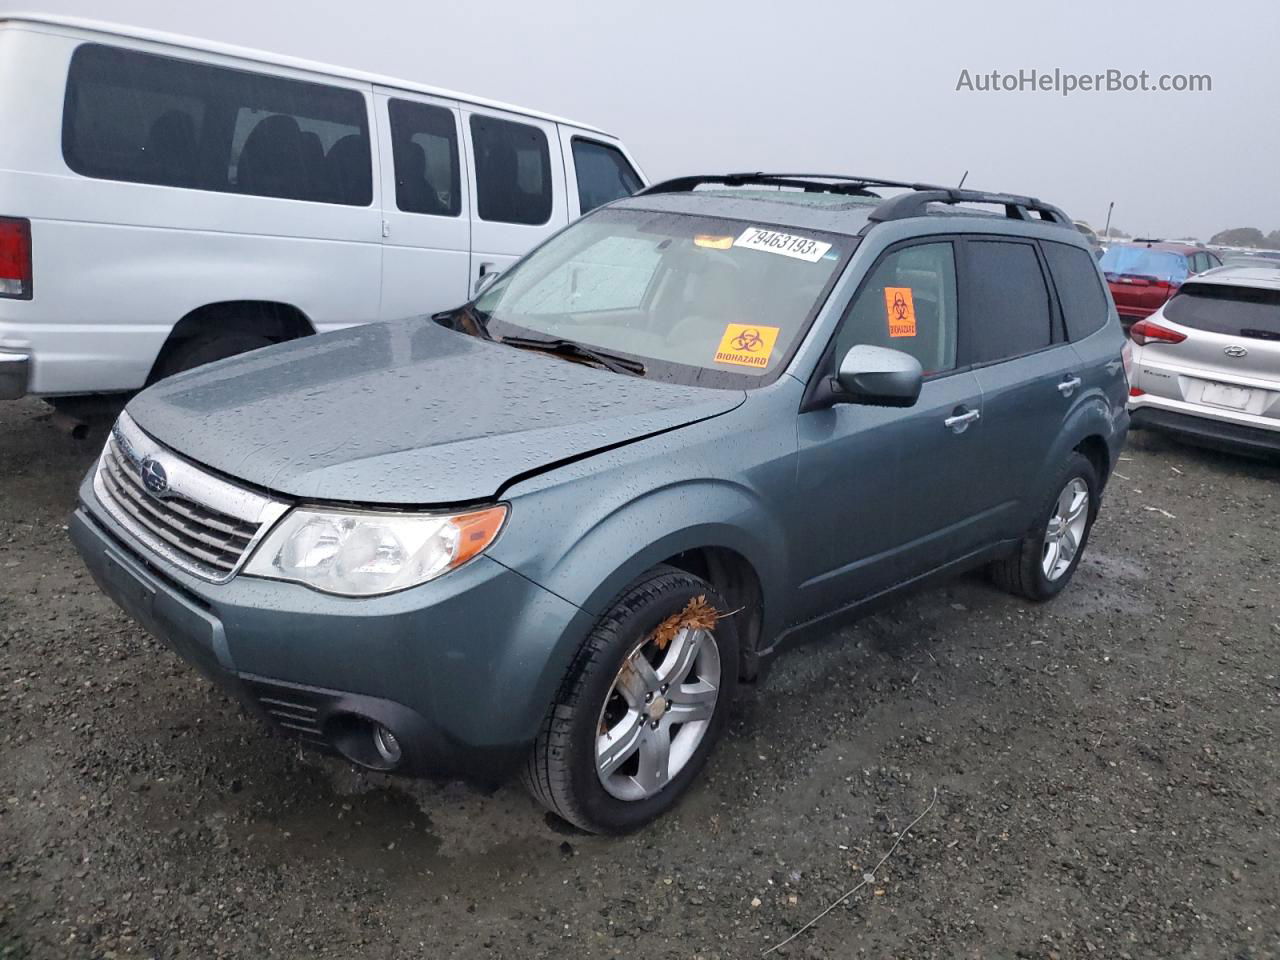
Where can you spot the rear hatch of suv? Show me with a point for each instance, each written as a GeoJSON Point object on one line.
{"type": "Point", "coordinates": [1216, 346]}
{"type": "Point", "coordinates": [1142, 279]}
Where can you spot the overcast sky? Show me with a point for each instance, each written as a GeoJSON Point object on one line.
{"type": "Point", "coordinates": [812, 85]}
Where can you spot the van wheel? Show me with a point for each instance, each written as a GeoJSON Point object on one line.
{"type": "Point", "coordinates": [196, 352]}
{"type": "Point", "coordinates": [1047, 557]}
{"type": "Point", "coordinates": [636, 717]}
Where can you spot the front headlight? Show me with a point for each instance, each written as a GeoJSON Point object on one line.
{"type": "Point", "coordinates": [359, 554]}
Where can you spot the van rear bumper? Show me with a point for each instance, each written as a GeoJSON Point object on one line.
{"type": "Point", "coordinates": [15, 375]}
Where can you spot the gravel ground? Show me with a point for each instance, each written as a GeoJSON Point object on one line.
{"type": "Point", "coordinates": [1106, 772]}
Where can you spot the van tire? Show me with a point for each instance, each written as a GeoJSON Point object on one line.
{"type": "Point", "coordinates": [561, 771]}
{"type": "Point", "coordinates": [1022, 572]}
{"type": "Point", "coordinates": [196, 352]}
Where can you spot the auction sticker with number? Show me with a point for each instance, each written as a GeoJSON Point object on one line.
{"type": "Point", "coordinates": [786, 244]}
{"type": "Point", "coordinates": [746, 345]}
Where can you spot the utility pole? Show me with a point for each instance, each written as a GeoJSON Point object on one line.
{"type": "Point", "coordinates": [1106, 231]}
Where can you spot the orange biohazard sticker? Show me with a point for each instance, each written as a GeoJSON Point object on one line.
{"type": "Point", "coordinates": [901, 310]}
{"type": "Point", "coordinates": [746, 345]}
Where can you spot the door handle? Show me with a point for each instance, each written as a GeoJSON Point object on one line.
{"type": "Point", "coordinates": [1068, 386]}
{"type": "Point", "coordinates": [487, 269]}
{"type": "Point", "coordinates": [960, 421]}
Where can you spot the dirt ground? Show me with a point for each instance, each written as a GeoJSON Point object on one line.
{"type": "Point", "coordinates": [1106, 768]}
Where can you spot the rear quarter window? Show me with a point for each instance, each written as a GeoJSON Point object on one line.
{"type": "Point", "coordinates": [1084, 302]}
{"type": "Point", "coordinates": [1227, 309]}
{"type": "Point", "coordinates": [143, 118]}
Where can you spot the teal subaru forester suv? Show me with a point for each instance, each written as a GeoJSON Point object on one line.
{"type": "Point", "coordinates": [552, 530]}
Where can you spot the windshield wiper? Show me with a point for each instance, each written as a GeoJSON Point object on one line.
{"type": "Point", "coordinates": [571, 348]}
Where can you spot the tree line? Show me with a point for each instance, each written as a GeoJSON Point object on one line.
{"type": "Point", "coordinates": [1247, 237]}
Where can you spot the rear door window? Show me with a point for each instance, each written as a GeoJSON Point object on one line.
{"type": "Point", "coordinates": [1005, 309]}
{"type": "Point", "coordinates": [908, 303]}
{"type": "Point", "coordinates": [144, 118]}
{"type": "Point", "coordinates": [1084, 302]}
{"type": "Point", "coordinates": [513, 171]}
{"type": "Point", "coordinates": [1227, 309]}
{"type": "Point", "coordinates": [424, 148]}
{"type": "Point", "coordinates": [603, 172]}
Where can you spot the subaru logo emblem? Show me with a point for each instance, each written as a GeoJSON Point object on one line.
{"type": "Point", "coordinates": [1235, 350]}
{"type": "Point", "coordinates": [154, 477]}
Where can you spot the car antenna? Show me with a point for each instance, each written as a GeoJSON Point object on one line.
{"type": "Point", "coordinates": [962, 180]}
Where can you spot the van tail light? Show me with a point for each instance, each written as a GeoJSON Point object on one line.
{"type": "Point", "coordinates": [1145, 331]}
{"type": "Point", "coordinates": [15, 258]}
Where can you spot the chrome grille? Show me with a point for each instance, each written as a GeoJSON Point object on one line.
{"type": "Point", "coordinates": [197, 521]}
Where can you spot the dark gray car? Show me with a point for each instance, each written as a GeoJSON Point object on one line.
{"type": "Point", "coordinates": [552, 530]}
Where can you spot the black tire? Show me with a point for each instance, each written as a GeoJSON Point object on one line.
{"type": "Point", "coordinates": [206, 348]}
{"type": "Point", "coordinates": [1021, 573]}
{"type": "Point", "coordinates": [561, 770]}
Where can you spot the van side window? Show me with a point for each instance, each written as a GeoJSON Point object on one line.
{"type": "Point", "coordinates": [513, 171]}
{"type": "Point", "coordinates": [424, 148]}
{"type": "Point", "coordinates": [143, 118]}
{"type": "Point", "coordinates": [1084, 304]}
{"type": "Point", "coordinates": [907, 303]}
{"type": "Point", "coordinates": [603, 174]}
{"type": "Point", "coordinates": [1006, 301]}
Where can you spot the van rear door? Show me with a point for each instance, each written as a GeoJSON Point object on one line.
{"type": "Point", "coordinates": [517, 186]}
{"type": "Point", "coordinates": [426, 224]}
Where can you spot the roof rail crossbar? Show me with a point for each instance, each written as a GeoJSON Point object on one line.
{"type": "Point", "coordinates": [916, 204]}
{"type": "Point", "coordinates": [809, 183]}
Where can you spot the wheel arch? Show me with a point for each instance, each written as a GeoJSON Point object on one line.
{"type": "Point", "coordinates": [273, 319]}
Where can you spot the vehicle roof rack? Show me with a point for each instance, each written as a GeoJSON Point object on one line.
{"type": "Point", "coordinates": [914, 203]}
{"type": "Point", "coordinates": [808, 182]}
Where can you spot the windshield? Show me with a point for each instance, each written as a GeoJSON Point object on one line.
{"type": "Point", "coordinates": [1144, 262]}
{"type": "Point", "coordinates": [696, 300]}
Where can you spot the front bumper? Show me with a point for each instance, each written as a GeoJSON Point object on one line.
{"type": "Point", "coordinates": [461, 670]}
{"type": "Point", "coordinates": [15, 375]}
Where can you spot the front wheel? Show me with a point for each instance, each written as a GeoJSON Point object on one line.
{"type": "Point", "coordinates": [1047, 557]}
{"type": "Point", "coordinates": [641, 707]}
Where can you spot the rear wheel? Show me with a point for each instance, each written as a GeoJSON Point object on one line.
{"type": "Point", "coordinates": [1047, 557]}
{"type": "Point", "coordinates": [206, 348]}
{"type": "Point", "coordinates": [640, 709]}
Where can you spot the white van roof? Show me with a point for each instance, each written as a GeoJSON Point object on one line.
{"type": "Point", "coordinates": [280, 60]}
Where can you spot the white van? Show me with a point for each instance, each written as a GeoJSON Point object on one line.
{"type": "Point", "coordinates": [165, 201]}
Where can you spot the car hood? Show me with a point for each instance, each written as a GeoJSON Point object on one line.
{"type": "Point", "coordinates": [405, 413]}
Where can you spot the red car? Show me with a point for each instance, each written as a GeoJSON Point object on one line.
{"type": "Point", "coordinates": [1144, 274]}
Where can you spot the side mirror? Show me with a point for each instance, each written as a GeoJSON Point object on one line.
{"type": "Point", "coordinates": [878, 377]}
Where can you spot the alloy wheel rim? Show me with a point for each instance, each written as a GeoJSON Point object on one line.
{"type": "Point", "coordinates": [656, 713]}
{"type": "Point", "coordinates": [1065, 531]}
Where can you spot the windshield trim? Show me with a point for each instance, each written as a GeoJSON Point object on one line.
{"type": "Point", "coordinates": [671, 371]}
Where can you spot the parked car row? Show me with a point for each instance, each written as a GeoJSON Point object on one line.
{"type": "Point", "coordinates": [165, 202]}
